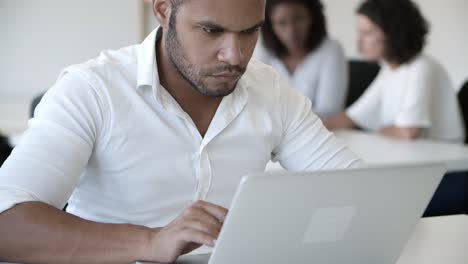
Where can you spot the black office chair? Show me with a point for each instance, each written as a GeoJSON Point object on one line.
{"type": "Point", "coordinates": [34, 104]}
{"type": "Point", "coordinates": [5, 149]}
{"type": "Point", "coordinates": [451, 197]}
{"type": "Point", "coordinates": [361, 75]}
{"type": "Point", "coordinates": [463, 101]}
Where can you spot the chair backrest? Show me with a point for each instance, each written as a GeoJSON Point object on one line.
{"type": "Point", "coordinates": [34, 103]}
{"type": "Point", "coordinates": [463, 101]}
{"type": "Point", "coordinates": [5, 149]}
{"type": "Point", "coordinates": [361, 75]}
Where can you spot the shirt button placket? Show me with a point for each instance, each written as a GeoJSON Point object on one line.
{"type": "Point", "coordinates": [204, 177]}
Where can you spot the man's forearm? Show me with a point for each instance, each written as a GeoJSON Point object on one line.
{"type": "Point", "coordinates": [38, 233]}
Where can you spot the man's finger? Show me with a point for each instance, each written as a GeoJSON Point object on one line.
{"type": "Point", "coordinates": [195, 236]}
{"type": "Point", "coordinates": [212, 230]}
{"type": "Point", "coordinates": [215, 210]}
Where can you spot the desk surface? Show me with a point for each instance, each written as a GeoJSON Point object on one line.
{"type": "Point", "coordinates": [379, 150]}
{"type": "Point", "coordinates": [438, 240]}
{"type": "Point", "coordinates": [435, 240]}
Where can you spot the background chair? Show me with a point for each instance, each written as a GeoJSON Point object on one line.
{"type": "Point", "coordinates": [361, 75]}
{"type": "Point", "coordinates": [34, 103]}
{"type": "Point", "coordinates": [5, 149]}
{"type": "Point", "coordinates": [463, 102]}
{"type": "Point", "coordinates": [451, 197]}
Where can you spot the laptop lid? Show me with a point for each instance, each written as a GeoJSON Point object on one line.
{"type": "Point", "coordinates": [348, 216]}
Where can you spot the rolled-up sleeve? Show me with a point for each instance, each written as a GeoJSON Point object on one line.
{"type": "Point", "coordinates": [306, 144]}
{"type": "Point", "coordinates": [54, 150]}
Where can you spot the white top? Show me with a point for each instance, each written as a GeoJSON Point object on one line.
{"type": "Point", "coordinates": [322, 76]}
{"type": "Point", "coordinates": [108, 135]}
{"type": "Point", "coordinates": [417, 94]}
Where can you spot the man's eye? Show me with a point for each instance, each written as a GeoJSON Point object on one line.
{"type": "Point", "coordinates": [212, 30]}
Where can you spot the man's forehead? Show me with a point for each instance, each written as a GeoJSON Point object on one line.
{"type": "Point", "coordinates": [230, 14]}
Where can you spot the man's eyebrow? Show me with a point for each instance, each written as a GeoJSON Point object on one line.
{"type": "Point", "coordinates": [209, 24]}
{"type": "Point", "coordinates": [258, 25]}
{"type": "Point", "coordinates": [216, 26]}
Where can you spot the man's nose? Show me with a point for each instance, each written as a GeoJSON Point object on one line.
{"type": "Point", "coordinates": [231, 51]}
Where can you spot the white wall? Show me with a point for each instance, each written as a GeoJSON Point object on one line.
{"type": "Point", "coordinates": [448, 39]}
{"type": "Point", "coordinates": [38, 38]}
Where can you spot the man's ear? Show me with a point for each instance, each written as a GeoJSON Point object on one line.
{"type": "Point", "coordinates": [162, 11]}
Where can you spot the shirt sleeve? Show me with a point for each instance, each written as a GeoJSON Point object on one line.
{"type": "Point", "coordinates": [54, 150]}
{"type": "Point", "coordinates": [416, 103]}
{"type": "Point", "coordinates": [9, 197]}
{"type": "Point", "coordinates": [305, 143]}
{"type": "Point", "coordinates": [332, 83]}
{"type": "Point", "coordinates": [365, 112]}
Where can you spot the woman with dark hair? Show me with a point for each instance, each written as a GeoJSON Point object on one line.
{"type": "Point", "coordinates": [412, 96]}
{"type": "Point", "coordinates": [294, 41]}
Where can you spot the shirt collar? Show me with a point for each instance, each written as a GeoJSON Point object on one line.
{"type": "Point", "coordinates": [147, 66]}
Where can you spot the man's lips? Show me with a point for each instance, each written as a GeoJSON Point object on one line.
{"type": "Point", "coordinates": [226, 76]}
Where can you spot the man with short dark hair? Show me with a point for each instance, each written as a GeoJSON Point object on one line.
{"type": "Point", "coordinates": [148, 143]}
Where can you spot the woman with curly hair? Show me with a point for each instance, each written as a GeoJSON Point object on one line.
{"type": "Point", "coordinates": [295, 43]}
{"type": "Point", "coordinates": [412, 96]}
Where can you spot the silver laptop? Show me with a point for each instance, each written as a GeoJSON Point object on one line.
{"type": "Point", "coordinates": [356, 216]}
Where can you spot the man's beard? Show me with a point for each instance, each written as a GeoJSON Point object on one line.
{"type": "Point", "coordinates": [188, 71]}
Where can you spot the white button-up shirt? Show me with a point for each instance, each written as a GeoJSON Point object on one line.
{"type": "Point", "coordinates": [112, 142]}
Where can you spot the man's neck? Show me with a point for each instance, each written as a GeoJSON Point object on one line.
{"type": "Point", "coordinates": [176, 85]}
{"type": "Point", "coordinates": [199, 107]}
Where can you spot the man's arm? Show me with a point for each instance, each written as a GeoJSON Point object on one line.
{"type": "Point", "coordinates": [42, 173]}
{"type": "Point", "coordinates": [35, 232]}
{"type": "Point", "coordinates": [305, 143]}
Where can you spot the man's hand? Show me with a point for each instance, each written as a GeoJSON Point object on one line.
{"type": "Point", "coordinates": [198, 225]}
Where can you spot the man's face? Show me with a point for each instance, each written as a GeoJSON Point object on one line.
{"type": "Point", "coordinates": [210, 42]}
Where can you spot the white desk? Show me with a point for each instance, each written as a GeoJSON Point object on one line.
{"type": "Point", "coordinates": [435, 240]}
{"type": "Point", "coordinates": [379, 150]}
{"type": "Point", "coordinates": [438, 240]}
